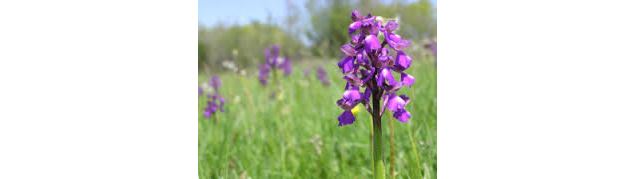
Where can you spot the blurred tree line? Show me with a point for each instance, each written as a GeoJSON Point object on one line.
{"type": "Point", "coordinates": [319, 32]}
{"type": "Point", "coordinates": [243, 45]}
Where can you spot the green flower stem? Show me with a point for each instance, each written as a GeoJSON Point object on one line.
{"type": "Point", "coordinates": [275, 83]}
{"type": "Point", "coordinates": [392, 149]}
{"type": "Point", "coordinates": [274, 73]}
{"type": "Point", "coordinates": [378, 159]}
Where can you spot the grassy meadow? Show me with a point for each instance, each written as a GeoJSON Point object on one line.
{"type": "Point", "coordinates": [296, 135]}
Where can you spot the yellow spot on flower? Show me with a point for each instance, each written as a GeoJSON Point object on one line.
{"type": "Point", "coordinates": [356, 109]}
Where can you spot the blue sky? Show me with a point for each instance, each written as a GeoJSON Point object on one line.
{"type": "Point", "coordinates": [211, 12]}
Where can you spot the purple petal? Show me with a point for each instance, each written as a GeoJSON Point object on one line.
{"type": "Point", "coordinates": [386, 75]}
{"type": "Point", "coordinates": [406, 79]}
{"type": "Point", "coordinates": [371, 43]}
{"type": "Point", "coordinates": [368, 21]}
{"type": "Point", "coordinates": [393, 37]}
{"type": "Point", "coordinates": [405, 98]}
{"type": "Point", "coordinates": [380, 79]}
{"type": "Point", "coordinates": [361, 60]}
{"type": "Point", "coordinates": [395, 103]}
{"type": "Point", "coordinates": [353, 79]}
{"type": "Point", "coordinates": [396, 42]}
{"type": "Point", "coordinates": [348, 49]}
{"type": "Point", "coordinates": [346, 65]}
{"type": "Point", "coordinates": [355, 39]}
{"type": "Point", "coordinates": [391, 26]}
{"type": "Point", "coordinates": [402, 61]}
{"type": "Point", "coordinates": [346, 118]}
{"type": "Point", "coordinates": [352, 95]}
{"type": "Point", "coordinates": [354, 26]}
{"type": "Point", "coordinates": [350, 98]}
{"type": "Point", "coordinates": [402, 115]}
{"type": "Point", "coordinates": [367, 74]}
{"type": "Point", "coordinates": [402, 44]}
{"type": "Point", "coordinates": [384, 52]}
{"type": "Point", "coordinates": [366, 96]}
{"type": "Point", "coordinates": [374, 28]}
{"type": "Point", "coordinates": [383, 56]}
{"type": "Point", "coordinates": [355, 15]}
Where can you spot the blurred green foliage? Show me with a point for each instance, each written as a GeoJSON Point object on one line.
{"type": "Point", "coordinates": [330, 20]}
{"type": "Point", "coordinates": [243, 45]}
{"type": "Point", "coordinates": [319, 32]}
{"type": "Point", "coordinates": [202, 54]}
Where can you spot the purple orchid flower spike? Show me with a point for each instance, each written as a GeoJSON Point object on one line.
{"type": "Point", "coordinates": [370, 63]}
{"type": "Point", "coordinates": [272, 64]}
{"type": "Point", "coordinates": [215, 82]}
{"type": "Point", "coordinates": [215, 102]}
{"type": "Point", "coordinates": [210, 109]}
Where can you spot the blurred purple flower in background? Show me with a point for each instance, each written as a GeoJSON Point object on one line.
{"type": "Point", "coordinates": [263, 74]}
{"type": "Point", "coordinates": [321, 75]}
{"type": "Point", "coordinates": [215, 82]}
{"type": "Point", "coordinates": [211, 106]}
{"type": "Point", "coordinates": [370, 64]}
{"type": "Point", "coordinates": [215, 102]}
{"type": "Point", "coordinates": [286, 66]}
{"type": "Point", "coordinates": [432, 46]}
{"type": "Point", "coordinates": [272, 63]}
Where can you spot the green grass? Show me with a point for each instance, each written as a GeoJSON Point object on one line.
{"type": "Point", "coordinates": [297, 136]}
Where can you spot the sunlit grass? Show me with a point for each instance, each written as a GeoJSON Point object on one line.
{"type": "Point", "coordinates": [297, 136]}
